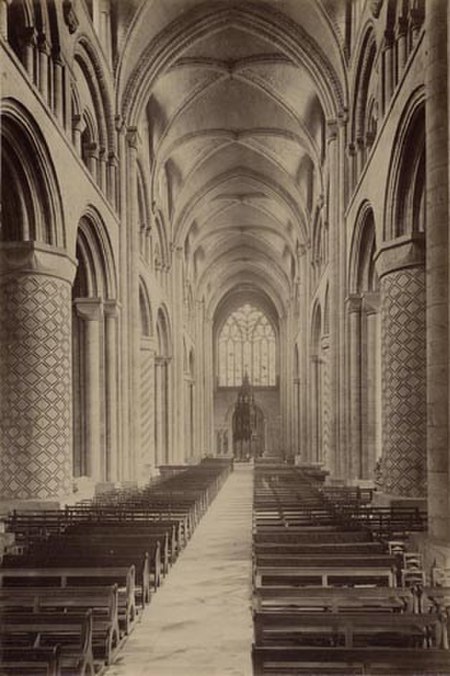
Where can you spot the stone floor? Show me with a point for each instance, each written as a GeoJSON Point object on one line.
{"type": "Point", "coordinates": [199, 623]}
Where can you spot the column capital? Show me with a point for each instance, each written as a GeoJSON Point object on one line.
{"type": "Point", "coordinates": [407, 251]}
{"type": "Point", "coordinates": [353, 303]}
{"type": "Point", "coordinates": [42, 44]}
{"type": "Point", "coordinates": [388, 39]}
{"type": "Point", "coordinates": [111, 308]}
{"type": "Point", "coordinates": [35, 257]}
{"type": "Point", "coordinates": [402, 26]}
{"type": "Point", "coordinates": [371, 303]}
{"type": "Point", "coordinates": [133, 138]}
{"type": "Point", "coordinates": [89, 309]}
{"type": "Point", "coordinates": [332, 129]}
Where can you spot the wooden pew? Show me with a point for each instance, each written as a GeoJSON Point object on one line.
{"type": "Point", "coordinates": [324, 575]}
{"type": "Point", "coordinates": [73, 633]}
{"type": "Point", "coordinates": [329, 548]}
{"type": "Point", "coordinates": [352, 560]}
{"type": "Point", "coordinates": [312, 535]}
{"type": "Point", "coordinates": [143, 554]}
{"type": "Point", "coordinates": [334, 599]}
{"type": "Point", "coordinates": [281, 661]}
{"type": "Point", "coordinates": [102, 601]}
{"type": "Point", "coordinates": [357, 629]}
{"type": "Point", "coordinates": [64, 577]}
{"type": "Point", "coordinates": [121, 534]}
{"type": "Point", "coordinates": [21, 661]}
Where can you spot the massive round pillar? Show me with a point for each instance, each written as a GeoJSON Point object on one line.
{"type": "Point", "coordinates": [35, 371]}
{"type": "Point", "coordinates": [403, 371]}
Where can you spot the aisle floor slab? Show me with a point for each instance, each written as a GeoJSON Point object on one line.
{"type": "Point", "coordinates": [199, 622]}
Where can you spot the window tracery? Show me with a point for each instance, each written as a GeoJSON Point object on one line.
{"type": "Point", "coordinates": [247, 345]}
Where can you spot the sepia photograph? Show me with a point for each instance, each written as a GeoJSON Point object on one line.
{"type": "Point", "coordinates": [224, 338]}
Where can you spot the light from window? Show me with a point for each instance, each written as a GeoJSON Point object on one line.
{"type": "Point", "coordinates": [247, 345]}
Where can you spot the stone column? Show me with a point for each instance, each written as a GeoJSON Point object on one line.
{"type": "Point", "coordinates": [111, 179]}
{"type": "Point", "coordinates": [111, 386]}
{"type": "Point", "coordinates": [303, 352]}
{"type": "Point", "coordinates": [29, 44]}
{"type": "Point", "coordinates": [159, 435]}
{"type": "Point", "coordinates": [92, 160]}
{"type": "Point", "coordinates": [315, 411]}
{"type": "Point", "coordinates": [209, 384]}
{"type": "Point", "coordinates": [437, 261]}
{"type": "Point", "coordinates": [35, 371]}
{"type": "Point", "coordinates": [58, 90]}
{"type": "Point", "coordinates": [400, 266]}
{"type": "Point", "coordinates": [90, 310]}
{"type": "Point", "coordinates": [4, 18]}
{"type": "Point", "coordinates": [125, 333]}
{"type": "Point", "coordinates": [133, 314]}
{"type": "Point", "coordinates": [146, 456]}
{"type": "Point", "coordinates": [371, 386]}
{"type": "Point", "coordinates": [402, 46]}
{"type": "Point", "coordinates": [388, 69]}
{"type": "Point", "coordinates": [43, 66]}
{"type": "Point", "coordinates": [354, 342]}
{"type": "Point", "coordinates": [336, 143]}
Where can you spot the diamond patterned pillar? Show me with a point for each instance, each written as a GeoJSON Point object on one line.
{"type": "Point", "coordinates": [35, 372]}
{"type": "Point", "coordinates": [403, 371]}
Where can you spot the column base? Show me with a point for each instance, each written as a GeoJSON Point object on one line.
{"type": "Point", "coordinates": [389, 500]}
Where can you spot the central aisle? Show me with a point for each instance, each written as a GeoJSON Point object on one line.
{"type": "Point", "coordinates": [199, 622]}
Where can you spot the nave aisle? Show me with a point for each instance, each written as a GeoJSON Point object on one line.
{"type": "Point", "coordinates": [199, 623]}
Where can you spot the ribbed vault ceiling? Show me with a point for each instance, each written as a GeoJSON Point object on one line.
{"type": "Point", "coordinates": [235, 112]}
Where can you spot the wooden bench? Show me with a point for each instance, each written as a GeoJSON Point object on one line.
{"type": "Point", "coordinates": [329, 548]}
{"type": "Point", "coordinates": [281, 661]}
{"type": "Point", "coordinates": [334, 599]}
{"type": "Point", "coordinates": [73, 633]}
{"type": "Point", "coordinates": [312, 535]}
{"type": "Point", "coordinates": [325, 575]}
{"type": "Point", "coordinates": [289, 627]}
{"type": "Point", "coordinates": [350, 559]}
{"type": "Point", "coordinates": [64, 577]}
{"type": "Point", "coordinates": [102, 601]}
{"type": "Point", "coordinates": [133, 550]}
{"type": "Point", "coordinates": [20, 661]}
{"type": "Point", "coordinates": [123, 535]}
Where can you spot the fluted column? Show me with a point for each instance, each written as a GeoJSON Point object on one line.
{"type": "Point", "coordinates": [146, 455]}
{"type": "Point", "coordinates": [35, 371]}
{"type": "Point", "coordinates": [90, 310]}
{"type": "Point", "coordinates": [111, 387]}
{"type": "Point", "coordinates": [437, 261]}
{"type": "Point", "coordinates": [400, 266]}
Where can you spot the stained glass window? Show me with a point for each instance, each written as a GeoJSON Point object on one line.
{"type": "Point", "coordinates": [247, 345]}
